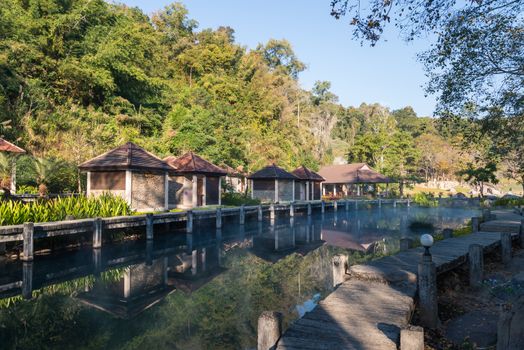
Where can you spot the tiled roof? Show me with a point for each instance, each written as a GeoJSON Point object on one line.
{"type": "Point", "coordinates": [304, 173]}
{"type": "Point", "coordinates": [352, 173]}
{"type": "Point", "coordinates": [6, 146]}
{"type": "Point", "coordinates": [125, 157]}
{"type": "Point", "coordinates": [192, 163]}
{"type": "Point", "coordinates": [272, 172]}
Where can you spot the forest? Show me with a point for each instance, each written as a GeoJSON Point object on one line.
{"type": "Point", "coordinates": [78, 78]}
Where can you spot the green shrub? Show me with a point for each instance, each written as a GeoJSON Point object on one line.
{"type": "Point", "coordinates": [27, 189]}
{"type": "Point", "coordinates": [237, 199]}
{"type": "Point", "coordinates": [425, 199]}
{"type": "Point", "coordinates": [509, 202]}
{"type": "Point", "coordinates": [81, 207]}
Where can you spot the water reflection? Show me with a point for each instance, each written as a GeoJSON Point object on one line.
{"type": "Point", "coordinates": [199, 290]}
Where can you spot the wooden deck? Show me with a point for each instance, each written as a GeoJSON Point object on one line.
{"type": "Point", "coordinates": [368, 310]}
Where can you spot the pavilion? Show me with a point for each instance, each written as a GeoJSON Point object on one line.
{"type": "Point", "coordinates": [273, 184]}
{"type": "Point", "coordinates": [308, 187]}
{"type": "Point", "coordinates": [8, 147]}
{"type": "Point", "coordinates": [195, 182]}
{"type": "Point", "coordinates": [131, 172]}
{"type": "Point", "coordinates": [348, 179]}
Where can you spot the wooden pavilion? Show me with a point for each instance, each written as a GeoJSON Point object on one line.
{"type": "Point", "coordinates": [308, 186]}
{"type": "Point", "coordinates": [8, 147]}
{"type": "Point", "coordinates": [195, 182]}
{"type": "Point", "coordinates": [349, 179]}
{"type": "Point", "coordinates": [131, 172]}
{"type": "Point", "coordinates": [273, 184]}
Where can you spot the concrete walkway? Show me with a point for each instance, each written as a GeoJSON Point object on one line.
{"type": "Point", "coordinates": [368, 310]}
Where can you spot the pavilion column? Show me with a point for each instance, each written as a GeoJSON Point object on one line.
{"type": "Point", "coordinates": [88, 184]}
{"type": "Point", "coordinates": [194, 192]}
{"type": "Point", "coordinates": [129, 184]}
{"type": "Point", "coordinates": [293, 192]}
{"type": "Point", "coordinates": [358, 190]}
{"type": "Point", "coordinates": [13, 176]}
{"type": "Point", "coordinates": [307, 190]}
{"type": "Point", "coordinates": [322, 190]}
{"type": "Point", "coordinates": [166, 191]}
{"type": "Point", "coordinates": [204, 197]}
{"type": "Point", "coordinates": [334, 190]}
{"type": "Point", "coordinates": [276, 190]}
{"type": "Point", "coordinates": [219, 190]}
{"type": "Point", "coordinates": [252, 189]}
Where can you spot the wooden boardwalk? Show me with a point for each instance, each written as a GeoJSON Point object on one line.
{"type": "Point", "coordinates": [368, 310]}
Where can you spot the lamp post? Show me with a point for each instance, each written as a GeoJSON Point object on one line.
{"type": "Point", "coordinates": [427, 285]}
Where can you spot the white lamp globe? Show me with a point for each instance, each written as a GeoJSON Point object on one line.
{"type": "Point", "coordinates": [426, 240]}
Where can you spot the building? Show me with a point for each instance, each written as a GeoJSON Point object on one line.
{"type": "Point", "coordinates": [308, 186]}
{"type": "Point", "coordinates": [273, 184]}
{"type": "Point", "coordinates": [235, 179]}
{"type": "Point", "coordinates": [131, 172]}
{"type": "Point", "coordinates": [8, 147]}
{"type": "Point", "coordinates": [195, 182]}
{"type": "Point", "coordinates": [350, 179]}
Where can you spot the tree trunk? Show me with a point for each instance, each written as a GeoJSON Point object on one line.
{"type": "Point", "coordinates": [401, 188]}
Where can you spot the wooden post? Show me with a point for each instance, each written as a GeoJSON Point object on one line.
{"type": "Point", "coordinates": [269, 330]}
{"type": "Point", "coordinates": [412, 338]}
{"type": "Point", "coordinates": [97, 233]}
{"type": "Point", "coordinates": [97, 261]}
{"type": "Point", "coordinates": [486, 214]}
{"type": "Point", "coordinates": [189, 221]}
{"type": "Point", "coordinates": [335, 205]}
{"type": "Point", "coordinates": [476, 264]}
{"type": "Point", "coordinates": [347, 205]}
{"type": "Point", "coordinates": [505, 244]}
{"type": "Point", "coordinates": [149, 252]}
{"type": "Point", "coordinates": [259, 213]}
{"type": "Point", "coordinates": [219, 217]}
{"type": "Point", "coordinates": [394, 204]}
{"type": "Point", "coordinates": [149, 226]}
{"type": "Point", "coordinates": [27, 279]}
{"type": "Point", "coordinates": [272, 211]}
{"type": "Point", "coordinates": [380, 203]}
{"type": "Point", "coordinates": [405, 244]}
{"type": "Point", "coordinates": [242, 215]}
{"type": "Point", "coordinates": [474, 224]}
{"type": "Point", "coordinates": [291, 210]}
{"type": "Point", "coordinates": [309, 209]}
{"type": "Point", "coordinates": [340, 264]}
{"type": "Point", "coordinates": [427, 291]}
{"type": "Point", "coordinates": [322, 206]}
{"type": "Point", "coordinates": [447, 233]}
{"type": "Point", "coordinates": [28, 234]}
{"type": "Point", "coordinates": [409, 202]}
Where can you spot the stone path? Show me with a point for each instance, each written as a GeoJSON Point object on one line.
{"type": "Point", "coordinates": [368, 310]}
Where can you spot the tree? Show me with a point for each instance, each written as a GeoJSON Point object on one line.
{"type": "Point", "coordinates": [480, 175]}
{"type": "Point", "coordinates": [280, 57]}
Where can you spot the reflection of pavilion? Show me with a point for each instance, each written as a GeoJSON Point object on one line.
{"type": "Point", "coordinates": [188, 271]}
{"type": "Point", "coordinates": [140, 287]}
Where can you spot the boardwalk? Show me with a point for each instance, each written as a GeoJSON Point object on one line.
{"type": "Point", "coordinates": [368, 310]}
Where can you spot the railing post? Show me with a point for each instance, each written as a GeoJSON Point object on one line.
{"type": "Point", "coordinates": [322, 206]}
{"type": "Point", "coordinates": [394, 204]}
{"type": "Point", "coordinates": [476, 264]}
{"type": "Point", "coordinates": [189, 221]}
{"type": "Point", "coordinates": [260, 213]}
{"type": "Point", "coordinates": [427, 291]}
{"type": "Point", "coordinates": [447, 233]}
{"type": "Point", "coordinates": [28, 234]}
{"type": "Point", "coordinates": [219, 217]}
{"type": "Point", "coordinates": [505, 245]}
{"type": "Point", "coordinates": [347, 205]}
{"type": "Point", "coordinates": [242, 215]}
{"type": "Point", "coordinates": [486, 214]}
{"type": "Point", "coordinates": [405, 244]}
{"type": "Point", "coordinates": [309, 209]}
{"type": "Point", "coordinates": [269, 329]}
{"type": "Point", "coordinates": [97, 233]}
{"type": "Point", "coordinates": [474, 224]}
{"type": "Point", "coordinates": [272, 211]}
{"type": "Point", "coordinates": [149, 226]}
{"type": "Point", "coordinates": [335, 205]}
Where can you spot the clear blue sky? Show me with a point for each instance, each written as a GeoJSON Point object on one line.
{"type": "Point", "coordinates": [388, 73]}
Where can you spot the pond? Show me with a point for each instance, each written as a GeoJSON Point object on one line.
{"type": "Point", "coordinates": [203, 290]}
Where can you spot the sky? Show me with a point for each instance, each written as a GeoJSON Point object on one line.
{"type": "Point", "coordinates": [388, 73]}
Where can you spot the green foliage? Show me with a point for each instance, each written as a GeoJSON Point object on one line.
{"type": "Point", "coordinates": [26, 189]}
{"type": "Point", "coordinates": [237, 199]}
{"type": "Point", "coordinates": [509, 202]}
{"type": "Point", "coordinates": [80, 207]}
{"type": "Point", "coordinates": [425, 199]}
{"type": "Point", "coordinates": [479, 175]}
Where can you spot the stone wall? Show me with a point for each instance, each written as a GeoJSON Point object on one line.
{"type": "Point", "coordinates": [285, 190]}
{"type": "Point", "coordinates": [264, 190]}
{"type": "Point", "coordinates": [147, 191]}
